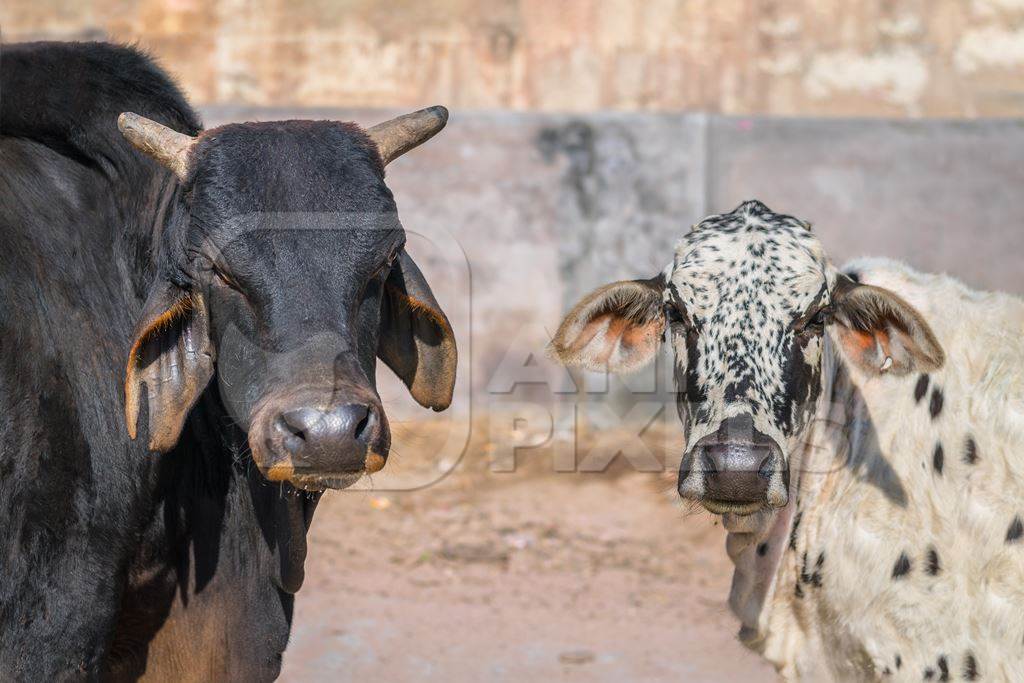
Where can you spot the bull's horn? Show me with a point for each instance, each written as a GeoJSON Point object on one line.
{"type": "Point", "coordinates": [167, 147]}
{"type": "Point", "coordinates": [397, 136]}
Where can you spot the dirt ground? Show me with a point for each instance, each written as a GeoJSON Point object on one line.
{"type": "Point", "coordinates": [531, 575]}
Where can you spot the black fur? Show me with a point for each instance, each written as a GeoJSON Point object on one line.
{"type": "Point", "coordinates": [932, 564]}
{"type": "Point", "coordinates": [935, 405]}
{"type": "Point", "coordinates": [104, 541]}
{"type": "Point", "coordinates": [921, 388]}
{"type": "Point", "coordinates": [1015, 530]}
{"type": "Point", "coordinates": [902, 566]}
{"type": "Point", "coordinates": [970, 451]}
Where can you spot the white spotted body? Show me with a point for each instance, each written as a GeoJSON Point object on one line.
{"type": "Point", "coordinates": [901, 554]}
{"type": "Point", "coordinates": [861, 431]}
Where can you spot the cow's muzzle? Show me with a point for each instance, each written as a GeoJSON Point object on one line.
{"type": "Point", "coordinates": [737, 469]}
{"type": "Point", "coordinates": [319, 442]}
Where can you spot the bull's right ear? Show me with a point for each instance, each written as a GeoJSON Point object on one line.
{"type": "Point", "coordinates": [618, 327]}
{"type": "Point", "coordinates": [172, 356]}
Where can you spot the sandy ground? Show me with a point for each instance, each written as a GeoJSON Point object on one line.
{"type": "Point", "coordinates": [532, 575]}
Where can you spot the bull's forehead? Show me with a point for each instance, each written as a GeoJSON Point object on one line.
{"type": "Point", "coordinates": [750, 261]}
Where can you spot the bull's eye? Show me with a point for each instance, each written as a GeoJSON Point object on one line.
{"type": "Point", "coordinates": [225, 279]}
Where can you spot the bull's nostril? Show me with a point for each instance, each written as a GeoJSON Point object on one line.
{"type": "Point", "coordinates": [361, 426]}
{"type": "Point", "coordinates": [293, 430]}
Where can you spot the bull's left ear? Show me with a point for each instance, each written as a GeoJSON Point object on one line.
{"type": "Point", "coordinates": [172, 355]}
{"type": "Point", "coordinates": [881, 333]}
{"type": "Point", "coordinates": [416, 339]}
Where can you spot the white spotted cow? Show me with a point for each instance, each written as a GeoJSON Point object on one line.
{"type": "Point", "coordinates": [861, 431]}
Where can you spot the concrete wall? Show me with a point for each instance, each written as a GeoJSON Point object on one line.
{"type": "Point", "coordinates": [949, 58]}
{"type": "Point", "coordinates": [529, 211]}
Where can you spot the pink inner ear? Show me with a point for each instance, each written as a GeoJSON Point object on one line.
{"type": "Point", "coordinates": [860, 346]}
{"type": "Point", "coordinates": [870, 349]}
{"type": "Point", "coordinates": [617, 329]}
{"type": "Point", "coordinates": [609, 335]}
{"type": "Point", "coordinates": [588, 332]}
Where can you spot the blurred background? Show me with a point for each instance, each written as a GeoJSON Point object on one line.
{"type": "Point", "coordinates": [585, 137]}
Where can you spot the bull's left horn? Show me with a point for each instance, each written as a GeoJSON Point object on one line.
{"type": "Point", "coordinates": [397, 136]}
{"type": "Point", "coordinates": [167, 147]}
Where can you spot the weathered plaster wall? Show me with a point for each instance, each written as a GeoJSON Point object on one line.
{"type": "Point", "coordinates": [948, 58]}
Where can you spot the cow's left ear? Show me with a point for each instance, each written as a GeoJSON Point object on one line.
{"type": "Point", "coordinates": [880, 332]}
{"type": "Point", "coordinates": [416, 339]}
{"type": "Point", "coordinates": [172, 355]}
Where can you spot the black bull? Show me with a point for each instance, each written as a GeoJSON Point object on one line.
{"type": "Point", "coordinates": [223, 296]}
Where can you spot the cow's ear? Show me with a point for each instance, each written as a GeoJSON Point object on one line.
{"type": "Point", "coordinates": [880, 332]}
{"type": "Point", "coordinates": [172, 355]}
{"type": "Point", "coordinates": [416, 340]}
{"type": "Point", "coordinates": [618, 327]}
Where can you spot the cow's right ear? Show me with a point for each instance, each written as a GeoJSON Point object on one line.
{"type": "Point", "coordinates": [172, 355]}
{"type": "Point", "coordinates": [618, 327]}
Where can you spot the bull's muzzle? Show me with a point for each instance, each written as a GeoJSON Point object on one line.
{"type": "Point", "coordinates": [317, 444]}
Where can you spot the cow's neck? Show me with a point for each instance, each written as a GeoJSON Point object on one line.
{"type": "Point", "coordinates": [763, 547]}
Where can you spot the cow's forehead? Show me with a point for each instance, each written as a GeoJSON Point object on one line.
{"type": "Point", "coordinates": [750, 253]}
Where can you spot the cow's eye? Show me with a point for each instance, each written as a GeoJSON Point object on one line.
{"type": "Point", "coordinates": [815, 324]}
{"type": "Point", "coordinates": [674, 315]}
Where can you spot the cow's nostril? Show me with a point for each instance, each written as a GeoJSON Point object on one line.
{"type": "Point", "coordinates": [360, 418]}
{"type": "Point", "coordinates": [709, 463]}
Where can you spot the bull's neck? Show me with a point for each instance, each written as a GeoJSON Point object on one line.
{"type": "Point", "coordinates": [214, 468]}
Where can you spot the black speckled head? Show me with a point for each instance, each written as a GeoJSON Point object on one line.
{"type": "Point", "coordinates": [748, 297]}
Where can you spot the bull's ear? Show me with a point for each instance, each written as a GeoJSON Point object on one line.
{"type": "Point", "coordinates": [416, 339]}
{"type": "Point", "coordinates": [172, 355]}
{"type": "Point", "coordinates": [618, 327]}
{"type": "Point", "coordinates": [881, 333]}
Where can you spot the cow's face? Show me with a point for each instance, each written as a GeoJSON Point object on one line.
{"type": "Point", "coordinates": [286, 277]}
{"type": "Point", "coordinates": [746, 305]}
